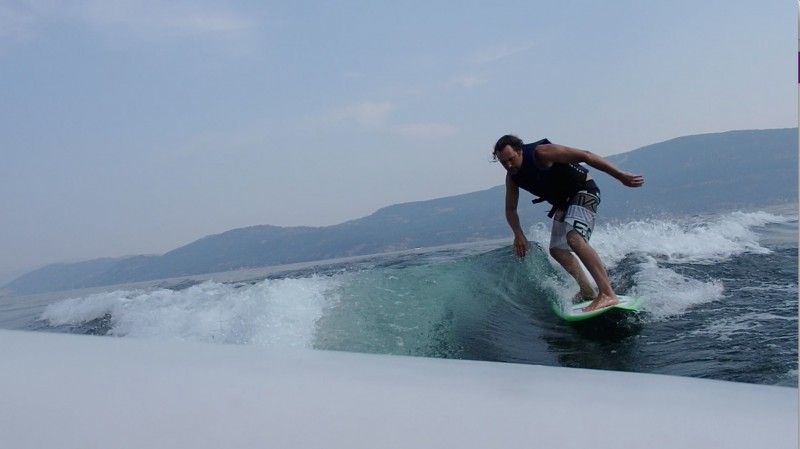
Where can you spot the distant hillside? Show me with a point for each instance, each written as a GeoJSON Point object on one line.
{"type": "Point", "coordinates": [64, 276]}
{"type": "Point", "coordinates": [737, 169]}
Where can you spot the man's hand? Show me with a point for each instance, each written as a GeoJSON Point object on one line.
{"type": "Point", "coordinates": [631, 180]}
{"type": "Point", "coordinates": [520, 245]}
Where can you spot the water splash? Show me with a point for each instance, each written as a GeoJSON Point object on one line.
{"type": "Point", "coordinates": [271, 313]}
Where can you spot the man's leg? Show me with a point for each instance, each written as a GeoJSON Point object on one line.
{"type": "Point", "coordinates": [573, 267]}
{"type": "Point", "coordinates": [591, 260]}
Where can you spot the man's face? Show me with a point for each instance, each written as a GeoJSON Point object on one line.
{"type": "Point", "coordinates": [510, 159]}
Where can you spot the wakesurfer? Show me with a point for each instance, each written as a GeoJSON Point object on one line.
{"type": "Point", "coordinates": [553, 173]}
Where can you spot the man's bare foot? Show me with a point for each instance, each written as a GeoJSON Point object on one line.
{"type": "Point", "coordinates": [584, 296]}
{"type": "Point", "coordinates": [602, 301]}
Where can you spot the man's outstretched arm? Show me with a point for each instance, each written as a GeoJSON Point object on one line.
{"type": "Point", "coordinates": [548, 154]}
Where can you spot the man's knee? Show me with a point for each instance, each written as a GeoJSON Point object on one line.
{"type": "Point", "coordinates": [558, 253]}
{"type": "Point", "coordinates": [575, 240]}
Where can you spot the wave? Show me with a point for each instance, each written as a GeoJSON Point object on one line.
{"type": "Point", "coordinates": [486, 305]}
{"type": "Point", "coordinates": [659, 251]}
{"type": "Point", "coordinates": [691, 241]}
{"type": "Point", "coordinates": [273, 313]}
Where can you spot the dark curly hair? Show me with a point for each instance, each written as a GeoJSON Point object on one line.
{"type": "Point", "coordinates": [510, 140]}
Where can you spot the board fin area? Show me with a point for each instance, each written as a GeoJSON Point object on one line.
{"type": "Point", "coordinates": [574, 312]}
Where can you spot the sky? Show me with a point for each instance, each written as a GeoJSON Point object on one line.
{"type": "Point", "coordinates": [139, 126]}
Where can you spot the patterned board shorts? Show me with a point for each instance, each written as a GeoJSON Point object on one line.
{"type": "Point", "coordinates": [579, 217]}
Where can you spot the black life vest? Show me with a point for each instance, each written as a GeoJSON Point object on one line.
{"type": "Point", "coordinates": [556, 184]}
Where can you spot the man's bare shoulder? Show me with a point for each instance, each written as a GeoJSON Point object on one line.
{"type": "Point", "coordinates": [547, 149]}
{"type": "Point", "coordinates": [550, 153]}
{"type": "Point", "coordinates": [547, 153]}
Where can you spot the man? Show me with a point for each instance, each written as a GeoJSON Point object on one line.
{"type": "Point", "coordinates": [552, 172]}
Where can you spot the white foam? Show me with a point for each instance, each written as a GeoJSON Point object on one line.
{"type": "Point", "coordinates": [726, 328]}
{"type": "Point", "coordinates": [705, 240]}
{"type": "Point", "coordinates": [700, 242]}
{"type": "Point", "coordinates": [270, 313]}
{"type": "Point", "coordinates": [668, 293]}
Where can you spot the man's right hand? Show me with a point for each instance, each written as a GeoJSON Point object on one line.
{"type": "Point", "coordinates": [520, 245]}
{"type": "Point", "coordinates": [631, 180]}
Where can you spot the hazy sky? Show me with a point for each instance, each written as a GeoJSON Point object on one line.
{"type": "Point", "coordinates": [137, 126]}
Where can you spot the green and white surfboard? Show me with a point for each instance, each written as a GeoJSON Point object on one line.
{"type": "Point", "coordinates": [574, 312]}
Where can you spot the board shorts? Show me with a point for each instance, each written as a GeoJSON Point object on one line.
{"type": "Point", "coordinates": [578, 216]}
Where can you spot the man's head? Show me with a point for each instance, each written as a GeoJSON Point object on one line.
{"type": "Point", "coordinates": [508, 151]}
